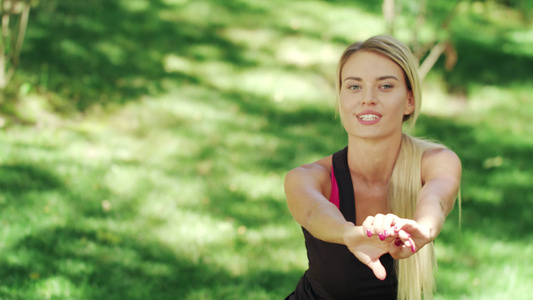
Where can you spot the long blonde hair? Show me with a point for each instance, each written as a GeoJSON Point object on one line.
{"type": "Point", "coordinates": [416, 273]}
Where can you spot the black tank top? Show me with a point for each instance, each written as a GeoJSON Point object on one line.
{"type": "Point", "coordinates": [334, 272]}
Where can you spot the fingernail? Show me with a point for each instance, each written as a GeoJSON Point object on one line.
{"type": "Point", "coordinates": [381, 236]}
{"type": "Point", "coordinates": [396, 229]}
{"type": "Point", "coordinates": [397, 242]}
{"type": "Point", "coordinates": [413, 248]}
{"type": "Point", "coordinates": [368, 233]}
{"type": "Point", "coordinates": [385, 233]}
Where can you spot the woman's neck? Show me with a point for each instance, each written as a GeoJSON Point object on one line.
{"type": "Point", "coordinates": [372, 161]}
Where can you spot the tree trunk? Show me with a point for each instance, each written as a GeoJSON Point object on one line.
{"type": "Point", "coordinates": [12, 36]}
{"type": "Point", "coordinates": [388, 14]}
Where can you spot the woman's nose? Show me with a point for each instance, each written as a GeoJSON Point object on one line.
{"type": "Point", "coordinates": [369, 97]}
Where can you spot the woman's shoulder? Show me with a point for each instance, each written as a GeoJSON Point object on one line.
{"type": "Point", "coordinates": [315, 176]}
{"type": "Point", "coordinates": [432, 151]}
{"type": "Point", "coordinates": [441, 161]}
{"type": "Point", "coordinates": [441, 155]}
{"type": "Point", "coordinates": [319, 169]}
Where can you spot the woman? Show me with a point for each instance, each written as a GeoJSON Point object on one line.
{"type": "Point", "coordinates": [371, 211]}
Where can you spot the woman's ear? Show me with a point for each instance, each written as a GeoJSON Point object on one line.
{"type": "Point", "coordinates": [410, 104]}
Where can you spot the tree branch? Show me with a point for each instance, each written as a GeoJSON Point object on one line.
{"type": "Point", "coordinates": [431, 59]}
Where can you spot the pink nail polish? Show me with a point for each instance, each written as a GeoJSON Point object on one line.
{"type": "Point", "coordinates": [397, 242]}
{"type": "Point", "coordinates": [413, 248]}
{"type": "Point", "coordinates": [368, 233]}
{"type": "Point", "coordinates": [396, 229]}
{"type": "Point", "coordinates": [381, 236]}
{"type": "Point", "coordinates": [385, 233]}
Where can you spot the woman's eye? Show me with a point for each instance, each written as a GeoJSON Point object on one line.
{"type": "Point", "coordinates": [386, 86]}
{"type": "Point", "coordinates": [354, 87]}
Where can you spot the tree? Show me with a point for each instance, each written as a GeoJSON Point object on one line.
{"type": "Point", "coordinates": [14, 21]}
{"type": "Point", "coordinates": [429, 50]}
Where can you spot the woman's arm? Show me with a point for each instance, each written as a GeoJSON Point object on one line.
{"type": "Point", "coordinates": [441, 177]}
{"type": "Point", "coordinates": [307, 190]}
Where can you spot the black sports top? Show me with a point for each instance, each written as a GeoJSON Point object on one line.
{"type": "Point", "coordinates": [334, 272]}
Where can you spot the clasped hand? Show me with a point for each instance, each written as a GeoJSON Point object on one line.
{"type": "Point", "coordinates": [382, 234]}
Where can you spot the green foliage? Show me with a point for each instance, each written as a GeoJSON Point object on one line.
{"type": "Point", "coordinates": [143, 149]}
{"type": "Point", "coordinates": [14, 20]}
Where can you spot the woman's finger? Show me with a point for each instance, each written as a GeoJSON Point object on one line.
{"type": "Point", "coordinates": [403, 224]}
{"type": "Point", "coordinates": [378, 226]}
{"type": "Point", "coordinates": [406, 240]}
{"type": "Point", "coordinates": [387, 224]}
{"type": "Point", "coordinates": [368, 226]}
{"type": "Point", "coordinates": [378, 269]}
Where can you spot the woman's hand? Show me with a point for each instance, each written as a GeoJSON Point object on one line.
{"type": "Point", "coordinates": [419, 234]}
{"type": "Point", "coordinates": [405, 236]}
{"type": "Point", "coordinates": [367, 250]}
{"type": "Point", "coordinates": [382, 234]}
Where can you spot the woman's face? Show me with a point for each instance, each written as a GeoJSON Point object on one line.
{"type": "Point", "coordinates": [373, 96]}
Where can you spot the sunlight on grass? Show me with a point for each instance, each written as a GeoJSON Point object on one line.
{"type": "Point", "coordinates": [489, 97]}
{"type": "Point", "coordinates": [483, 262]}
{"type": "Point", "coordinates": [276, 251]}
{"type": "Point", "coordinates": [57, 287]}
{"type": "Point", "coordinates": [257, 40]}
{"type": "Point", "coordinates": [304, 89]}
{"type": "Point", "coordinates": [75, 268]}
{"type": "Point", "coordinates": [488, 195]}
{"type": "Point", "coordinates": [436, 102]}
{"type": "Point", "coordinates": [135, 5]}
{"type": "Point", "coordinates": [305, 52]}
{"type": "Point", "coordinates": [114, 53]}
{"type": "Point", "coordinates": [512, 177]}
{"type": "Point", "coordinates": [521, 42]}
{"type": "Point", "coordinates": [194, 234]}
{"type": "Point", "coordinates": [503, 110]}
{"type": "Point", "coordinates": [264, 185]}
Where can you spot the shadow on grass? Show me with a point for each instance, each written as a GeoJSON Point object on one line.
{"type": "Point", "coordinates": [489, 52]}
{"type": "Point", "coordinates": [23, 178]}
{"type": "Point", "coordinates": [101, 52]}
{"type": "Point", "coordinates": [487, 64]}
{"type": "Point", "coordinates": [93, 265]}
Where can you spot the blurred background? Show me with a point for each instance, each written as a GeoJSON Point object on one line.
{"type": "Point", "coordinates": [143, 143]}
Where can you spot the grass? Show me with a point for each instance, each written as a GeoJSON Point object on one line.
{"type": "Point", "coordinates": [144, 146]}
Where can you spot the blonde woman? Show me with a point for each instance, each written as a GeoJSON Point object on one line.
{"type": "Point", "coordinates": [371, 211]}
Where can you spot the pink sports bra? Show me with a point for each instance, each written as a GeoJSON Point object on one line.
{"type": "Point", "coordinates": [334, 194]}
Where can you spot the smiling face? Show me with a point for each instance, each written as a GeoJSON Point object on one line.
{"type": "Point", "coordinates": [373, 96]}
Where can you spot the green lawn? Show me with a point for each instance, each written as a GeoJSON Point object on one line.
{"type": "Point", "coordinates": [144, 144]}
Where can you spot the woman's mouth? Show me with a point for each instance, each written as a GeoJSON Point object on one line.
{"type": "Point", "coordinates": [368, 117]}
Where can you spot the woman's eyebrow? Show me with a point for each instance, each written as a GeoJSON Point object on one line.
{"type": "Point", "coordinates": [387, 77]}
{"type": "Point", "coordinates": [377, 78]}
{"type": "Point", "coordinates": [353, 78]}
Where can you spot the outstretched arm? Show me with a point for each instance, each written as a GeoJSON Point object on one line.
{"type": "Point", "coordinates": [307, 190]}
{"type": "Point", "coordinates": [441, 176]}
